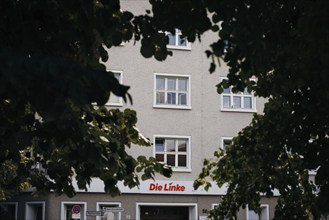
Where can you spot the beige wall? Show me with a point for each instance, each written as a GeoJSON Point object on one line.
{"type": "Point", "coordinates": [128, 202]}
{"type": "Point", "coordinates": [205, 122]}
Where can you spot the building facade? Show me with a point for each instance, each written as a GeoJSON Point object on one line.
{"type": "Point", "coordinates": [185, 118]}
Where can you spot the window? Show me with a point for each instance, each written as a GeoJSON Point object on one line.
{"type": "Point", "coordinates": [264, 215]}
{"type": "Point", "coordinates": [8, 211]}
{"type": "Point", "coordinates": [151, 211]}
{"type": "Point", "coordinates": [242, 101]}
{"type": "Point", "coordinates": [108, 215]}
{"type": "Point", "coordinates": [35, 210]}
{"type": "Point", "coordinates": [73, 210]}
{"type": "Point", "coordinates": [115, 100]}
{"type": "Point", "coordinates": [172, 91]}
{"type": "Point", "coordinates": [176, 41]}
{"type": "Point", "coordinates": [226, 141]}
{"type": "Point", "coordinates": [217, 218]}
{"type": "Point", "coordinates": [174, 151]}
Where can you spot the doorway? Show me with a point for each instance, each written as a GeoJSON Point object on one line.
{"type": "Point", "coordinates": [165, 211]}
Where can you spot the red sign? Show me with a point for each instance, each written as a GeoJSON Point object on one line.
{"type": "Point", "coordinates": [76, 209]}
{"type": "Point", "coordinates": [169, 187]}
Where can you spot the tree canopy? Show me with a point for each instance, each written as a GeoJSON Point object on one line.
{"type": "Point", "coordinates": [53, 126]}
{"type": "Point", "coordinates": [51, 75]}
{"type": "Point", "coordinates": [284, 46]}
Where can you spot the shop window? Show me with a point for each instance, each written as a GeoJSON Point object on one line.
{"type": "Point", "coordinates": [174, 151]}
{"type": "Point", "coordinates": [108, 214]}
{"type": "Point", "coordinates": [172, 91]}
{"type": "Point", "coordinates": [8, 211]}
{"type": "Point", "coordinates": [241, 101]}
{"type": "Point", "coordinates": [176, 41]}
{"type": "Point", "coordinates": [115, 100]}
{"type": "Point", "coordinates": [35, 210]}
{"type": "Point", "coordinates": [73, 210]}
{"type": "Point", "coordinates": [264, 215]}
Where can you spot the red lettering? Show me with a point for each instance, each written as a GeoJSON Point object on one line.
{"type": "Point", "coordinates": [152, 186]}
{"type": "Point", "coordinates": [155, 187]}
{"type": "Point", "coordinates": [167, 187]}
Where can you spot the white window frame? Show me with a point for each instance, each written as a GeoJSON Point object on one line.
{"type": "Point", "coordinates": [253, 108]}
{"type": "Point", "coordinates": [188, 153]}
{"type": "Point", "coordinates": [63, 210]}
{"type": "Point", "coordinates": [172, 106]}
{"type": "Point", "coordinates": [120, 103]}
{"type": "Point", "coordinates": [193, 208]}
{"type": "Point", "coordinates": [177, 35]}
{"type": "Point", "coordinates": [27, 210]}
{"type": "Point", "coordinates": [98, 204]}
{"type": "Point", "coordinates": [267, 212]}
{"type": "Point", "coordinates": [11, 203]}
{"type": "Point", "coordinates": [225, 139]}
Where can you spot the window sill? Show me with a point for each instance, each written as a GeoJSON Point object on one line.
{"type": "Point", "coordinates": [181, 170]}
{"type": "Point", "coordinates": [173, 107]}
{"type": "Point", "coordinates": [238, 110]}
{"type": "Point", "coordinates": [172, 47]}
{"type": "Point", "coordinates": [113, 104]}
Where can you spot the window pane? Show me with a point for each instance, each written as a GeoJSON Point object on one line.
{"type": "Point", "coordinates": [7, 211]}
{"type": "Point", "coordinates": [160, 99]}
{"type": "Point", "coordinates": [226, 101]}
{"type": "Point", "coordinates": [236, 102]}
{"type": "Point", "coordinates": [182, 160]}
{"type": "Point", "coordinates": [159, 145]}
{"type": "Point", "coordinates": [182, 84]}
{"type": "Point", "coordinates": [182, 41]}
{"type": "Point", "coordinates": [247, 102]}
{"type": "Point", "coordinates": [159, 157]}
{"type": "Point", "coordinates": [171, 84]}
{"type": "Point", "coordinates": [108, 215]}
{"type": "Point", "coordinates": [171, 98]}
{"type": "Point", "coordinates": [167, 91]}
{"type": "Point", "coordinates": [226, 143]}
{"type": "Point", "coordinates": [114, 99]}
{"type": "Point", "coordinates": [246, 92]}
{"type": "Point", "coordinates": [181, 145]}
{"type": "Point", "coordinates": [171, 160]}
{"type": "Point", "coordinates": [117, 76]}
{"type": "Point", "coordinates": [227, 91]}
{"type": "Point", "coordinates": [35, 211]}
{"type": "Point", "coordinates": [172, 39]}
{"type": "Point", "coordinates": [253, 215]}
{"type": "Point", "coordinates": [263, 214]}
{"type": "Point", "coordinates": [160, 83]}
{"type": "Point", "coordinates": [182, 99]}
{"type": "Point", "coordinates": [70, 215]}
{"type": "Point", "coordinates": [69, 212]}
{"type": "Point", "coordinates": [170, 145]}
{"type": "Point", "coordinates": [172, 151]}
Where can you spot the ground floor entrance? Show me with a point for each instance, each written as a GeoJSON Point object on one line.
{"type": "Point", "coordinates": [133, 206]}
{"type": "Point", "coordinates": [164, 213]}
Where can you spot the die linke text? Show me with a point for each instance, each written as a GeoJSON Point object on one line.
{"type": "Point", "coordinates": [166, 187]}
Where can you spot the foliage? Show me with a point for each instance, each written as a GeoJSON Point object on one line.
{"type": "Point", "coordinates": [283, 44]}
{"type": "Point", "coordinates": [50, 80]}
